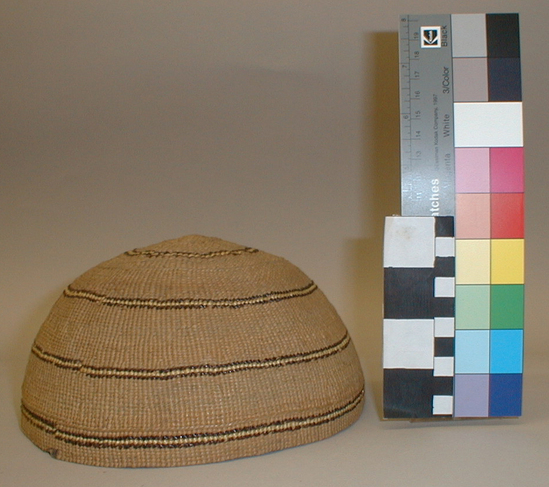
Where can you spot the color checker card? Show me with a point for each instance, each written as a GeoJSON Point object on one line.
{"type": "Point", "coordinates": [454, 261]}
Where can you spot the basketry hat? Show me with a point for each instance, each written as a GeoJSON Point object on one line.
{"type": "Point", "coordinates": [194, 350]}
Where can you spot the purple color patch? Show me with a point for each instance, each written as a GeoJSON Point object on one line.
{"type": "Point", "coordinates": [471, 395]}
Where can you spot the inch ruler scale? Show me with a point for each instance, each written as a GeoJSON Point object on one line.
{"type": "Point", "coordinates": [426, 117]}
{"type": "Point", "coordinates": [454, 261]}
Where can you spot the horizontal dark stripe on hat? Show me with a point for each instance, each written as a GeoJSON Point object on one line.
{"type": "Point", "coordinates": [190, 255]}
{"type": "Point", "coordinates": [190, 303]}
{"type": "Point", "coordinates": [189, 370]}
{"type": "Point", "coordinates": [189, 440]}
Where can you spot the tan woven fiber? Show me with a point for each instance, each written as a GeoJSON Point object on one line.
{"type": "Point", "coordinates": [190, 351]}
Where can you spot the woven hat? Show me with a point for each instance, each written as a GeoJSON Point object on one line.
{"type": "Point", "coordinates": [194, 350]}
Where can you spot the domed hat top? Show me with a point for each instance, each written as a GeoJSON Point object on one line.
{"type": "Point", "coordinates": [190, 351]}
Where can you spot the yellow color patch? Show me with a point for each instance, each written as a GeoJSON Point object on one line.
{"type": "Point", "coordinates": [508, 261]}
{"type": "Point", "coordinates": [473, 261]}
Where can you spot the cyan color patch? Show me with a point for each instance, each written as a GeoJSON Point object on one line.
{"type": "Point", "coordinates": [506, 351]}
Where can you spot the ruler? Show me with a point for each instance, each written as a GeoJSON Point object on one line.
{"type": "Point", "coordinates": [426, 116]}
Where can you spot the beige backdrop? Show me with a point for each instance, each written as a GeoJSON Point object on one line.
{"type": "Point", "coordinates": [272, 124]}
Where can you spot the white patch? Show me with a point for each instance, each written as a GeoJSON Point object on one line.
{"type": "Point", "coordinates": [408, 344]}
{"type": "Point", "coordinates": [409, 242]}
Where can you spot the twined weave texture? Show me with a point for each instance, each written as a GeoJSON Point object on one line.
{"type": "Point", "coordinates": [193, 350]}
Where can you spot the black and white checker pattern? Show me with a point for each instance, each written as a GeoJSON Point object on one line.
{"type": "Point", "coordinates": [419, 311]}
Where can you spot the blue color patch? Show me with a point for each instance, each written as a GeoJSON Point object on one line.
{"type": "Point", "coordinates": [505, 395]}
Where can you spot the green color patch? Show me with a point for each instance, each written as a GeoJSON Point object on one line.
{"type": "Point", "coordinates": [472, 307]}
{"type": "Point", "coordinates": [507, 307]}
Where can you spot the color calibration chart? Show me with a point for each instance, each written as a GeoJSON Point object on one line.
{"type": "Point", "coordinates": [454, 260]}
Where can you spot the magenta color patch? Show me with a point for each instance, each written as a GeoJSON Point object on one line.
{"type": "Point", "coordinates": [472, 170]}
{"type": "Point", "coordinates": [507, 169]}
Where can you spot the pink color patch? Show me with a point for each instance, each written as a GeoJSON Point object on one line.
{"type": "Point", "coordinates": [507, 169]}
{"type": "Point", "coordinates": [473, 170]}
{"type": "Point", "coordinates": [473, 216]}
